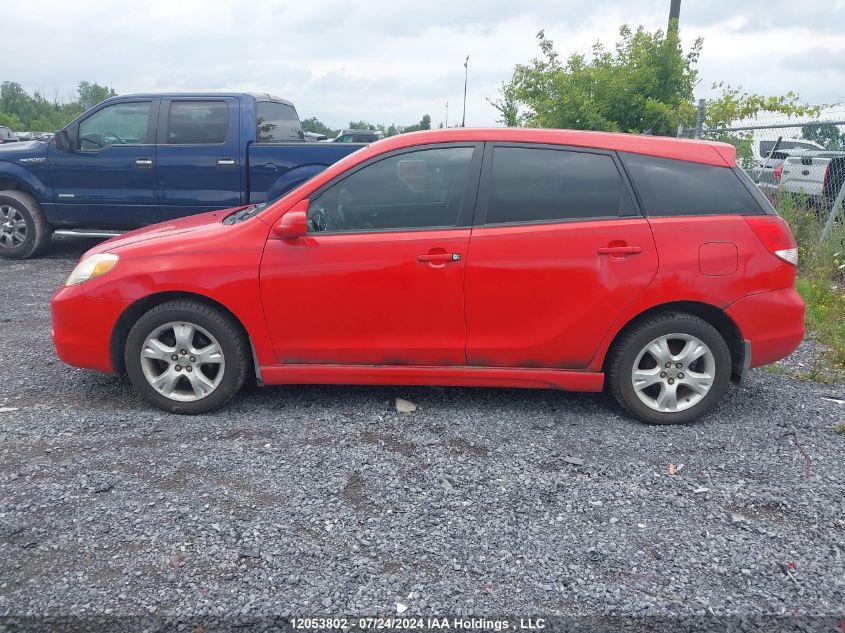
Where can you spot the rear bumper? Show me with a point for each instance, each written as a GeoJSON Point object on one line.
{"type": "Point", "coordinates": [773, 323]}
{"type": "Point", "coordinates": [82, 328]}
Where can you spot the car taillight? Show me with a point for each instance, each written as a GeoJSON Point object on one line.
{"type": "Point", "coordinates": [776, 236]}
{"type": "Point", "coordinates": [778, 172]}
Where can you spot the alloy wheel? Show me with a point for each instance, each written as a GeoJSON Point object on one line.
{"type": "Point", "coordinates": [673, 372]}
{"type": "Point", "coordinates": [12, 227]}
{"type": "Point", "coordinates": [182, 361]}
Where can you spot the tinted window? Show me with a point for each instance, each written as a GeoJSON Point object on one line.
{"type": "Point", "coordinates": [546, 184]}
{"type": "Point", "coordinates": [118, 124]}
{"type": "Point", "coordinates": [197, 122]}
{"type": "Point", "coordinates": [414, 190]}
{"type": "Point", "coordinates": [277, 123]}
{"type": "Point", "coordinates": [676, 187]}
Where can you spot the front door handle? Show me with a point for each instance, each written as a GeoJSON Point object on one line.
{"type": "Point", "coordinates": [144, 163]}
{"type": "Point", "coordinates": [616, 251]}
{"type": "Point", "coordinates": [439, 258]}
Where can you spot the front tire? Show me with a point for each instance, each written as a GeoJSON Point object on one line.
{"type": "Point", "coordinates": [186, 357]}
{"type": "Point", "coordinates": [671, 368]}
{"type": "Point", "coordinates": [24, 231]}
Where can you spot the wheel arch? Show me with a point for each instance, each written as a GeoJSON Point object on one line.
{"type": "Point", "coordinates": [713, 315]}
{"type": "Point", "coordinates": [15, 178]}
{"type": "Point", "coordinates": [140, 307]}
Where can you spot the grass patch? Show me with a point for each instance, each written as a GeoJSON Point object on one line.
{"type": "Point", "coordinates": [840, 428]}
{"type": "Point", "coordinates": [821, 280]}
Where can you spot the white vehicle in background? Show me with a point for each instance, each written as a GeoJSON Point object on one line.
{"type": "Point", "coordinates": [819, 175]}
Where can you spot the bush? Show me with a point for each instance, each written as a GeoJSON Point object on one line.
{"type": "Point", "coordinates": [821, 275]}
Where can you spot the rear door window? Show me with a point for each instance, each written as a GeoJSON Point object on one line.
{"type": "Point", "coordinates": [668, 187]}
{"type": "Point", "coordinates": [546, 184]}
{"type": "Point", "coordinates": [277, 123]}
{"type": "Point", "coordinates": [197, 122]}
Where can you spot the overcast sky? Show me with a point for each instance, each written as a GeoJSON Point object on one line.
{"type": "Point", "coordinates": [390, 61]}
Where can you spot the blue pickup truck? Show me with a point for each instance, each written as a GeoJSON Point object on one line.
{"type": "Point", "coordinates": [140, 159]}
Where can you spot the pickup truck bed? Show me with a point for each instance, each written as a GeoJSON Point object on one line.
{"type": "Point", "coordinates": [817, 174]}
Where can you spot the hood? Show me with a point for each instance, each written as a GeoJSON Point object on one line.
{"type": "Point", "coordinates": [193, 224]}
{"type": "Point", "coordinates": [19, 152]}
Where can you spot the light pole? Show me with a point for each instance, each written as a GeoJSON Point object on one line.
{"type": "Point", "coordinates": [466, 74]}
{"type": "Point", "coordinates": [674, 14]}
{"type": "Point", "coordinates": [447, 114]}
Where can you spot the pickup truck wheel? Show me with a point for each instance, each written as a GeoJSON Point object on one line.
{"type": "Point", "coordinates": [669, 369]}
{"type": "Point", "coordinates": [24, 231]}
{"type": "Point", "coordinates": [186, 357]}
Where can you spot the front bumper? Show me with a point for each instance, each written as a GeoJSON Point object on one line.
{"type": "Point", "coordinates": [83, 326]}
{"type": "Point", "coordinates": [773, 323]}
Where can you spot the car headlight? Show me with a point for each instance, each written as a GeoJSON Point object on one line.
{"type": "Point", "coordinates": [92, 266]}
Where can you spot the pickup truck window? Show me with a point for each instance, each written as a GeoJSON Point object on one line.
{"type": "Point", "coordinates": [118, 124]}
{"type": "Point", "coordinates": [197, 122]}
{"type": "Point", "coordinates": [277, 123]}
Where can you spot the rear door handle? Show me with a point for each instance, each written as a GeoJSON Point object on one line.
{"type": "Point", "coordinates": [225, 162]}
{"type": "Point", "coordinates": [439, 258]}
{"type": "Point", "coordinates": [619, 250]}
{"type": "Point", "coordinates": [144, 163]}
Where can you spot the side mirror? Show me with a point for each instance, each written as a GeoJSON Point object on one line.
{"type": "Point", "coordinates": [294, 223]}
{"type": "Point", "coordinates": [63, 141]}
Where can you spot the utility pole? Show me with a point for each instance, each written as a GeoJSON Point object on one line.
{"type": "Point", "coordinates": [674, 14]}
{"type": "Point", "coordinates": [447, 114]}
{"type": "Point", "coordinates": [466, 74]}
{"type": "Point", "coordinates": [699, 119]}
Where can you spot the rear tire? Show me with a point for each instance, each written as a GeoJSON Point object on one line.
{"type": "Point", "coordinates": [186, 357]}
{"type": "Point", "coordinates": [24, 232]}
{"type": "Point", "coordinates": [670, 368]}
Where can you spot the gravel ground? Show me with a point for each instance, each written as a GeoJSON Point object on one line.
{"type": "Point", "coordinates": [326, 500]}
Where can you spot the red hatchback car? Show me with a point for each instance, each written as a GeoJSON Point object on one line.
{"type": "Point", "coordinates": [652, 267]}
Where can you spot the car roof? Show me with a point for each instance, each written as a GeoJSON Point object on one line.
{"type": "Point", "coordinates": [708, 152]}
{"type": "Point", "coordinates": [258, 96]}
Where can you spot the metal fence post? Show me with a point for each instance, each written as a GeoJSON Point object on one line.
{"type": "Point", "coordinates": [699, 119]}
{"type": "Point", "coordinates": [834, 211]}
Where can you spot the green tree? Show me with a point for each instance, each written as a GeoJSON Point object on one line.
{"type": "Point", "coordinates": [424, 124]}
{"type": "Point", "coordinates": [313, 124]}
{"type": "Point", "coordinates": [507, 104]}
{"type": "Point", "coordinates": [733, 105]}
{"type": "Point", "coordinates": [644, 83]}
{"type": "Point", "coordinates": [825, 134]}
{"type": "Point", "coordinates": [90, 94]}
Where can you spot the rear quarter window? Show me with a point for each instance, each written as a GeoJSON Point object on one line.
{"type": "Point", "coordinates": [668, 187]}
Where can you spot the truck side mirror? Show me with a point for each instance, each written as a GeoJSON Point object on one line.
{"type": "Point", "coordinates": [294, 223]}
{"type": "Point", "coordinates": [63, 141]}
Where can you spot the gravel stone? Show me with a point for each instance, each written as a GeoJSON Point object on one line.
{"type": "Point", "coordinates": [472, 505]}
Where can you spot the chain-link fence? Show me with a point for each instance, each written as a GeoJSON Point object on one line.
{"type": "Point", "coordinates": [803, 159]}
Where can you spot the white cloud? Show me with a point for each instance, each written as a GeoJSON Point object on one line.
{"type": "Point", "coordinates": [389, 61]}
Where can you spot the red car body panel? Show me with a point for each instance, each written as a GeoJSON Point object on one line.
{"type": "Point", "coordinates": [82, 327]}
{"type": "Point", "coordinates": [528, 306]}
{"type": "Point", "coordinates": [395, 309]}
{"type": "Point", "coordinates": [532, 305]}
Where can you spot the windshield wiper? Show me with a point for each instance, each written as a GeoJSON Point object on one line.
{"type": "Point", "coordinates": [245, 214]}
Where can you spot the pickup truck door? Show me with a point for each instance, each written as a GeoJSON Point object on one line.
{"type": "Point", "coordinates": [108, 179]}
{"type": "Point", "coordinates": [199, 162]}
